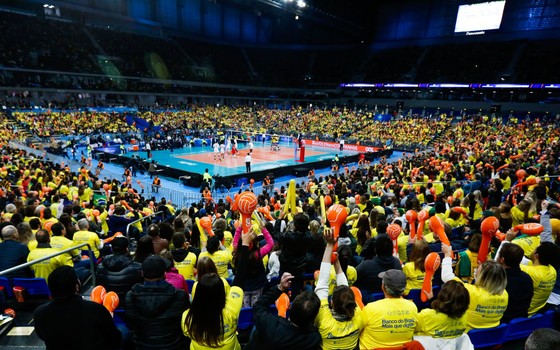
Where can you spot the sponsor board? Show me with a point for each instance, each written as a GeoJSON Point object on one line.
{"type": "Point", "coordinates": [336, 145]}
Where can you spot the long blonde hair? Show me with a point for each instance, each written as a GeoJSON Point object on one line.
{"type": "Point", "coordinates": [492, 277]}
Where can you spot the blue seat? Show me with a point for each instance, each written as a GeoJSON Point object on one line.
{"type": "Point", "coordinates": [485, 337]}
{"type": "Point", "coordinates": [373, 297]}
{"type": "Point", "coordinates": [190, 284]}
{"type": "Point", "coordinates": [5, 282]}
{"type": "Point", "coordinates": [521, 328]}
{"type": "Point", "coordinates": [33, 286]}
{"type": "Point", "coordinates": [415, 296]}
{"type": "Point", "coordinates": [246, 320]}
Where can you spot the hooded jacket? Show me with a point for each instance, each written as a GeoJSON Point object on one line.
{"type": "Point", "coordinates": [118, 273]}
{"type": "Point", "coordinates": [153, 312]}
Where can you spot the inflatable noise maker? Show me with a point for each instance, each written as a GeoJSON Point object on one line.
{"type": "Point", "coordinates": [411, 216]}
{"type": "Point", "coordinates": [431, 264]}
{"type": "Point", "coordinates": [291, 198]}
{"type": "Point", "coordinates": [204, 225]}
{"type": "Point", "coordinates": [336, 215]}
{"type": "Point", "coordinates": [436, 226]}
{"type": "Point", "coordinates": [423, 215]}
{"type": "Point", "coordinates": [246, 203]}
{"type": "Point", "coordinates": [531, 229]}
{"type": "Point", "coordinates": [489, 227]}
{"type": "Point", "coordinates": [394, 231]}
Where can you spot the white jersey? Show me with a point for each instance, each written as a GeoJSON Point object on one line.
{"type": "Point", "coordinates": [223, 148]}
{"type": "Point", "coordinates": [216, 147]}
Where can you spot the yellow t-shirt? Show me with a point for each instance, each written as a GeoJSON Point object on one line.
{"type": "Point", "coordinates": [517, 216]}
{"type": "Point", "coordinates": [60, 243]}
{"type": "Point", "coordinates": [351, 276]}
{"type": "Point", "coordinates": [44, 268]}
{"type": "Point", "coordinates": [414, 277]}
{"type": "Point", "coordinates": [88, 237]}
{"type": "Point", "coordinates": [388, 323]}
{"type": "Point", "coordinates": [234, 301]}
{"type": "Point", "coordinates": [221, 259]}
{"type": "Point", "coordinates": [338, 334]}
{"type": "Point", "coordinates": [438, 325]}
{"type": "Point", "coordinates": [186, 267]}
{"type": "Point", "coordinates": [528, 244]}
{"type": "Point", "coordinates": [544, 278]}
{"type": "Point", "coordinates": [228, 241]}
{"type": "Point", "coordinates": [485, 309]}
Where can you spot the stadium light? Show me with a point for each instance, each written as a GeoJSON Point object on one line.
{"type": "Point", "coordinates": [301, 3]}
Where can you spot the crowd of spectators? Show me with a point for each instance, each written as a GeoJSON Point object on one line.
{"type": "Point", "coordinates": [479, 169]}
{"type": "Point", "coordinates": [326, 124]}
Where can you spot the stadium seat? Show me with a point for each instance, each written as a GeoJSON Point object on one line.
{"type": "Point", "coordinates": [485, 337]}
{"type": "Point", "coordinates": [33, 286]}
{"type": "Point", "coordinates": [415, 294]}
{"type": "Point", "coordinates": [246, 320]}
{"type": "Point", "coordinates": [521, 328]}
{"type": "Point", "coordinates": [190, 284]}
{"type": "Point", "coordinates": [4, 282]}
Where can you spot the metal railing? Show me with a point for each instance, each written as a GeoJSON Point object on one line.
{"type": "Point", "coordinates": [27, 264]}
{"type": "Point", "coordinates": [141, 219]}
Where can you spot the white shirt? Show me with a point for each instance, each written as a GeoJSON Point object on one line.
{"type": "Point", "coordinates": [251, 145]}
{"type": "Point", "coordinates": [248, 159]}
{"type": "Point", "coordinates": [148, 147]}
{"type": "Point", "coordinates": [216, 147]}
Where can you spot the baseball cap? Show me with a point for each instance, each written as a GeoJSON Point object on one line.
{"type": "Point", "coordinates": [153, 267]}
{"type": "Point", "coordinates": [120, 243]}
{"type": "Point", "coordinates": [394, 279]}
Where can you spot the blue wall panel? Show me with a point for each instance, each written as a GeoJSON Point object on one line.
{"type": "Point", "coordinates": [140, 9]}
{"type": "Point", "coordinates": [249, 28]}
{"type": "Point", "coordinates": [191, 16]}
{"type": "Point", "coordinates": [212, 19]}
{"type": "Point", "coordinates": [167, 11]}
{"type": "Point", "coordinates": [232, 23]}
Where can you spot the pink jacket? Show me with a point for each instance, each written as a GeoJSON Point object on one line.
{"type": "Point", "coordinates": [263, 250]}
{"type": "Point", "coordinates": [177, 280]}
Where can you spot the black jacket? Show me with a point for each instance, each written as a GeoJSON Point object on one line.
{"type": "Point", "coordinates": [368, 271]}
{"type": "Point", "coordinates": [118, 273]}
{"type": "Point", "coordinates": [294, 249]}
{"type": "Point", "coordinates": [153, 312]}
{"type": "Point", "coordinates": [75, 323]}
{"type": "Point", "coordinates": [520, 290]}
{"type": "Point", "coordinates": [275, 332]}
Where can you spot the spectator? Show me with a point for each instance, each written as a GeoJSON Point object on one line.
{"type": "Point", "coordinates": [184, 259]}
{"type": "Point", "coordinates": [341, 326]}
{"type": "Point", "coordinates": [218, 254]}
{"type": "Point", "coordinates": [392, 312]}
{"type": "Point", "coordinates": [446, 319]}
{"type": "Point", "coordinates": [275, 332]}
{"type": "Point", "coordinates": [368, 280]}
{"type": "Point", "coordinates": [44, 268]}
{"type": "Point", "coordinates": [144, 249]}
{"type": "Point", "coordinates": [519, 284]}
{"type": "Point", "coordinates": [172, 276]}
{"type": "Point", "coordinates": [86, 236]}
{"type": "Point", "coordinates": [118, 272]}
{"type": "Point", "coordinates": [153, 309]}
{"type": "Point", "coordinates": [13, 253]}
{"type": "Point", "coordinates": [489, 298]}
{"type": "Point", "coordinates": [212, 318]}
{"type": "Point", "coordinates": [250, 273]}
{"type": "Point", "coordinates": [543, 339]}
{"type": "Point", "coordinates": [61, 323]}
{"type": "Point", "coordinates": [158, 242]}
{"type": "Point", "coordinates": [294, 249]}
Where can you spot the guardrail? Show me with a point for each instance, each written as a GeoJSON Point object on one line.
{"type": "Point", "coordinates": [27, 264]}
{"type": "Point", "coordinates": [141, 219]}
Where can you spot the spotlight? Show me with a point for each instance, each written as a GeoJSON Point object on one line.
{"type": "Point", "coordinates": [301, 3]}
